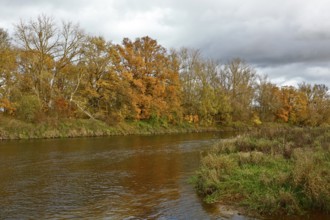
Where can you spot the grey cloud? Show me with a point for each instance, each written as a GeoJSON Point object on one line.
{"type": "Point", "coordinates": [288, 40]}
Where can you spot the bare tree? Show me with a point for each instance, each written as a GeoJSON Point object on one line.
{"type": "Point", "coordinates": [46, 50]}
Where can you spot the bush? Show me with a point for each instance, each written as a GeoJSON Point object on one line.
{"type": "Point", "coordinates": [28, 108]}
{"type": "Point", "coordinates": [311, 175]}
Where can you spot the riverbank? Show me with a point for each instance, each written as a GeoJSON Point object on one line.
{"type": "Point", "coordinates": [272, 171]}
{"type": "Point", "coordinates": [11, 129]}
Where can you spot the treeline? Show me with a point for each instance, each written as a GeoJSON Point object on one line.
{"type": "Point", "coordinates": [58, 71]}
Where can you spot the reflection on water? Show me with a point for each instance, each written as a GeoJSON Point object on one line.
{"type": "Point", "coordinates": [128, 177]}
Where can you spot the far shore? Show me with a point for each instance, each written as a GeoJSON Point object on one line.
{"type": "Point", "coordinates": [12, 129]}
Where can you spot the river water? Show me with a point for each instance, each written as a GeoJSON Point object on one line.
{"type": "Point", "coordinates": [120, 177]}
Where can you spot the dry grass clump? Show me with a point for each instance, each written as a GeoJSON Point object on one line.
{"type": "Point", "coordinates": [270, 171]}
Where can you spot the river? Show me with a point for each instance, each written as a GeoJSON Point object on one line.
{"type": "Point", "coordinates": [119, 177]}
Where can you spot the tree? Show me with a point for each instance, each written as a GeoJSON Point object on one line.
{"type": "Point", "coordinates": [4, 39]}
{"type": "Point", "coordinates": [106, 94]}
{"type": "Point", "coordinates": [153, 78]}
{"type": "Point", "coordinates": [292, 106]}
{"type": "Point", "coordinates": [318, 104]}
{"type": "Point", "coordinates": [8, 77]}
{"type": "Point", "coordinates": [239, 82]}
{"type": "Point", "coordinates": [267, 99]}
{"type": "Point", "coordinates": [202, 93]}
{"type": "Point", "coordinates": [190, 62]}
{"type": "Point", "coordinates": [45, 52]}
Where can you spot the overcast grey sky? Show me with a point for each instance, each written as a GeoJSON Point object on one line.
{"type": "Point", "coordinates": [289, 40]}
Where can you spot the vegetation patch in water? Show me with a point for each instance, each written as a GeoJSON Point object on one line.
{"type": "Point", "coordinates": [271, 171]}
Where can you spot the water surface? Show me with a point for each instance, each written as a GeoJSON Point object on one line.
{"type": "Point", "coordinates": [124, 177]}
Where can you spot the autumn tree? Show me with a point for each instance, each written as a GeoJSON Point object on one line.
{"type": "Point", "coordinates": [8, 77]}
{"type": "Point", "coordinates": [172, 95]}
{"type": "Point", "coordinates": [105, 94]}
{"type": "Point", "coordinates": [56, 70]}
{"type": "Point", "coordinates": [153, 78]}
{"type": "Point", "coordinates": [318, 103]}
{"type": "Point", "coordinates": [4, 39]}
{"type": "Point", "coordinates": [267, 100]}
{"type": "Point", "coordinates": [214, 103]}
{"type": "Point", "coordinates": [202, 93]}
{"type": "Point", "coordinates": [292, 105]}
{"type": "Point", "coordinates": [46, 52]}
{"type": "Point", "coordinates": [190, 62]}
{"type": "Point", "coordinates": [239, 82]}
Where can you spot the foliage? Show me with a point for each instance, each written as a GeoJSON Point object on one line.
{"type": "Point", "coordinates": [152, 76]}
{"type": "Point", "coordinates": [203, 95]}
{"type": "Point", "coordinates": [28, 108]}
{"type": "Point", "coordinates": [75, 75]}
{"type": "Point", "coordinates": [64, 128]}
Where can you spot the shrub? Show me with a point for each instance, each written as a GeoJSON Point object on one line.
{"type": "Point", "coordinates": [28, 108]}
{"type": "Point", "coordinates": [311, 175]}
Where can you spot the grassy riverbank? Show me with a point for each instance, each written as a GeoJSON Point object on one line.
{"type": "Point", "coordinates": [271, 171]}
{"type": "Point", "coordinates": [15, 129]}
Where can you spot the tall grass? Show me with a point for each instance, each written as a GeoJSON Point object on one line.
{"type": "Point", "coordinates": [270, 171]}
{"type": "Point", "coordinates": [11, 128]}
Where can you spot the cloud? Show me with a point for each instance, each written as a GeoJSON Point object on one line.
{"type": "Point", "coordinates": [287, 40]}
{"type": "Point", "coordinates": [295, 73]}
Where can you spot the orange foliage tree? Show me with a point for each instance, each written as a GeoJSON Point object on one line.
{"type": "Point", "coordinates": [292, 105]}
{"type": "Point", "coordinates": [153, 78]}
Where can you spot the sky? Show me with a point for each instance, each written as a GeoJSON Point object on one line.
{"type": "Point", "coordinates": [288, 40]}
